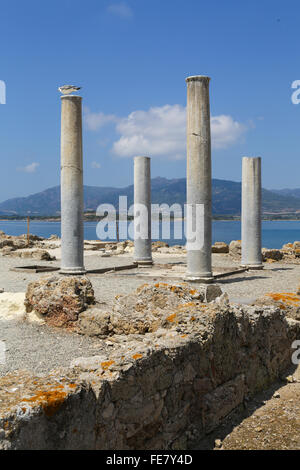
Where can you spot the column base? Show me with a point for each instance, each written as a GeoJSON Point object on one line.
{"type": "Point", "coordinates": [253, 266]}
{"type": "Point", "coordinates": [144, 262]}
{"type": "Point", "coordinates": [200, 279]}
{"type": "Point", "coordinates": [73, 271]}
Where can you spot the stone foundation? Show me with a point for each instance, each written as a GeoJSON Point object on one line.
{"type": "Point", "coordinates": [160, 390]}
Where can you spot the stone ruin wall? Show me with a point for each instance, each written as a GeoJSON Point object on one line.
{"type": "Point", "coordinates": [161, 390]}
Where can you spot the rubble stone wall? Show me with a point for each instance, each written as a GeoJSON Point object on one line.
{"type": "Point", "coordinates": [162, 390]}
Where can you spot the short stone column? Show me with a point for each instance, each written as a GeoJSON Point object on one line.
{"type": "Point", "coordinates": [142, 211]}
{"type": "Point", "coordinates": [199, 192]}
{"type": "Point", "coordinates": [72, 242]}
{"type": "Point", "coordinates": [251, 213]}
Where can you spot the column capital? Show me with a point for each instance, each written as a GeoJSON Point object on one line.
{"type": "Point", "coordinates": [141, 157]}
{"type": "Point", "coordinates": [251, 157]}
{"type": "Point", "coordinates": [197, 78]}
{"type": "Point", "coordinates": [71, 97]}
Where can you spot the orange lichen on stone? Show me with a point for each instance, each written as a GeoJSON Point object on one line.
{"type": "Point", "coordinates": [285, 297]}
{"type": "Point", "coordinates": [72, 385]}
{"type": "Point", "coordinates": [193, 291]}
{"type": "Point", "coordinates": [137, 356]}
{"type": "Point", "coordinates": [193, 318]}
{"type": "Point", "coordinates": [50, 401]}
{"type": "Point", "coordinates": [143, 285]}
{"type": "Point", "coordinates": [188, 304]}
{"type": "Point", "coordinates": [105, 365]}
{"type": "Point", "coordinates": [174, 288]}
{"type": "Point", "coordinates": [171, 318]}
{"type": "Point", "coordinates": [183, 336]}
{"type": "Point", "coordinates": [161, 284]}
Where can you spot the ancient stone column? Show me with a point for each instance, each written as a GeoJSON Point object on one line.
{"type": "Point", "coordinates": [198, 210]}
{"type": "Point", "coordinates": [71, 186]}
{"type": "Point", "coordinates": [251, 213]}
{"type": "Point", "coordinates": [142, 211]}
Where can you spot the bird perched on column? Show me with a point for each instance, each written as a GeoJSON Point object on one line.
{"type": "Point", "coordinates": [67, 89]}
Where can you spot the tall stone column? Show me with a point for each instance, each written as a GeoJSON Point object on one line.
{"type": "Point", "coordinates": [71, 186]}
{"type": "Point", "coordinates": [142, 211]}
{"type": "Point", "coordinates": [199, 208]}
{"type": "Point", "coordinates": [251, 213]}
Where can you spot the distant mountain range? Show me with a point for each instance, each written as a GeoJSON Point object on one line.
{"type": "Point", "coordinates": [288, 192]}
{"type": "Point", "coordinates": [226, 198]}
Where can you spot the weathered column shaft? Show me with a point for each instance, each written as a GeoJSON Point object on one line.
{"type": "Point", "coordinates": [142, 210]}
{"type": "Point", "coordinates": [251, 212]}
{"type": "Point", "coordinates": [198, 180]}
{"type": "Point", "coordinates": [71, 186]}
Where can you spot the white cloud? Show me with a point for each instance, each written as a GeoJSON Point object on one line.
{"type": "Point", "coordinates": [95, 165]}
{"type": "Point", "coordinates": [94, 121]}
{"type": "Point", "coordinates": [161, 131]}
{"type": "Point", "coordinates": [31, 168]}
{"type": "Point", "coordinates": [225, 131]}
{"type": "Point", "coordinates": [121, 9]}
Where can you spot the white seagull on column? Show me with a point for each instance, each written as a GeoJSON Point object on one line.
{"type": "Point", "coordinates": [67, 89]}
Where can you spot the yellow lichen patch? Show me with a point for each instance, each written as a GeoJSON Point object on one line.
{"type": "Point", "coordinates": [171, 318]}
{"type": "Point", "coordinates": [285, 297]}
{"type": "Point", "coordinates": [193, 291]}
{"type": "Point", "coordinates": [137, 356]}
{"type": "Point", "coordinates": [105, 365]}
{"type": "Point", "coordinates": [50, 401]}
{"type": "Point", "coordinates": [186, 305]}
{"type": "Point", "coordinates": [183, 336]}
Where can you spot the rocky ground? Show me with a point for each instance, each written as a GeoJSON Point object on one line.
{"type": "Point", "coordinates": [270, 421]}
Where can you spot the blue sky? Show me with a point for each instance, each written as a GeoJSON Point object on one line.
{"type": "Point", "coordinates": [131, 58]}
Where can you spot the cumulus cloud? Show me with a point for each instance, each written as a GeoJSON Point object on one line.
{"type": "Point", "coordinates": [121, 9]}
{"type": "Point", "coordinates": [225, 131]}
{"type": "Point", "coordinates": [161, 131]}
{"type": "Point", "coordinates": [96, 165]}
{"type": "Point", "coordinates": [94, 121]}
{"type": "Point", "coordinates": [31, 168]}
